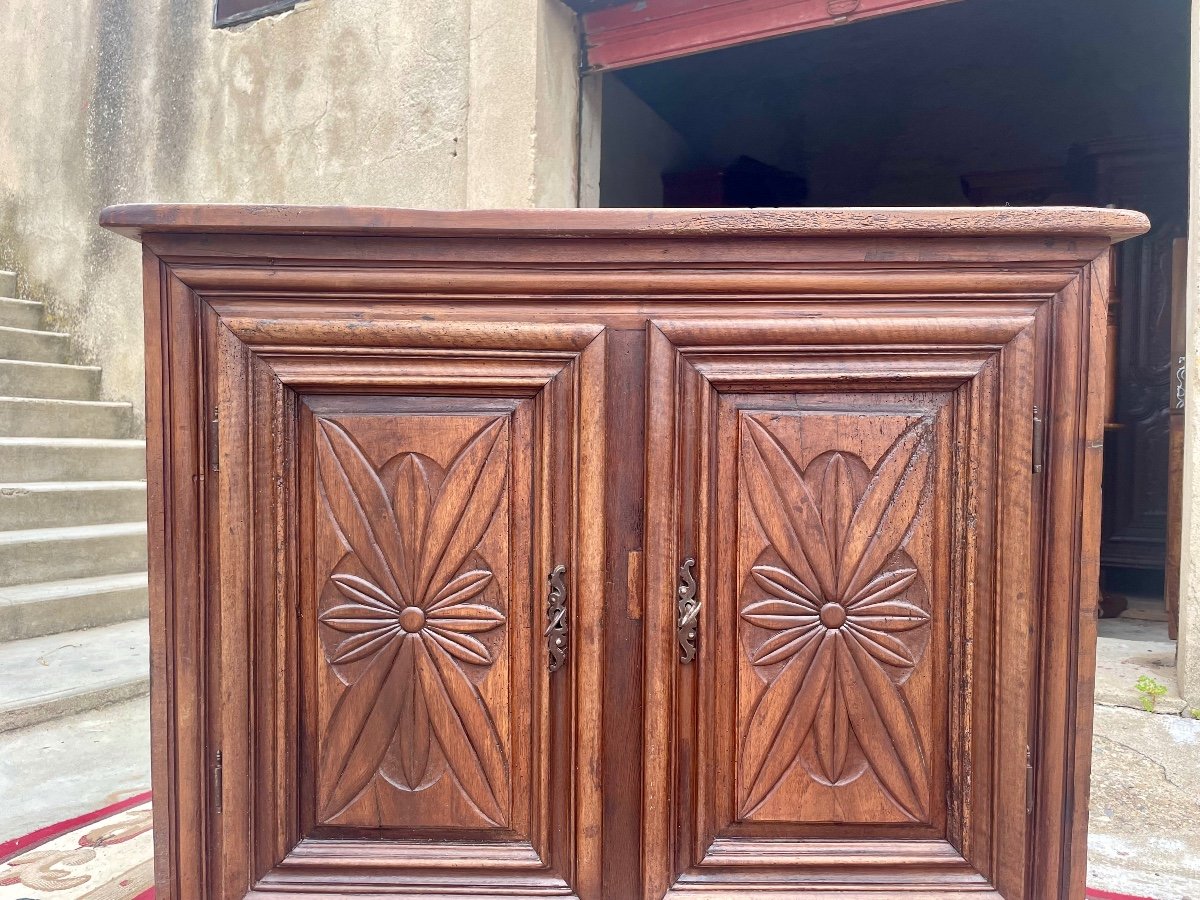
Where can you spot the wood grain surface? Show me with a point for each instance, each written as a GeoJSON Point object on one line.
{"type": "Point", "coordinates": [374, 434]}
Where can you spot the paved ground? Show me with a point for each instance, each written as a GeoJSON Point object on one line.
{"type": "Point", "coordinates": [61, 769]}
{"type": "Point", "coordinates": [1144, 835]}
{"type": "Point", "coordinates": [1130, 648]}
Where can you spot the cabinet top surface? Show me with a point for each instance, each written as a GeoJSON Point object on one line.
{"type": "Point", "coordinates": [136, 220]}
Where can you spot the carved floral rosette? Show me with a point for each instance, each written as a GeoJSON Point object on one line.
{"type": "Point", "coordinates": [410, 621]}
{"type": "Point", "coordinates": [835, 618]}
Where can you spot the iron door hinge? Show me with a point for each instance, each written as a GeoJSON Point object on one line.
{"type": "Point", "coordinates": [1028, 782]}
{"type": "Point", "coordinates": [1039, 441]}
{"type": "Point", "coordinates": [214, 439]}
{"type": "Point", "coordinates": [217, 783]}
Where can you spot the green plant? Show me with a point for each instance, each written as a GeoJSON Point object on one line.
{"type": "Point", "coordinates": [1151, 689]}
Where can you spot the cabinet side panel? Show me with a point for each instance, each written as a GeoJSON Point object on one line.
{"type": "Point", "coordinates": [1094, 326]}
{"type": "Point", "coordinates": [174, 472]}
{"type": "Point", "coordinates": [1096, 323]}
{"type": "Point", "coordinates": [1070, 572]}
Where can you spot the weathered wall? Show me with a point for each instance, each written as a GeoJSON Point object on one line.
{"type": "Point", "coordinates": [430, 103]}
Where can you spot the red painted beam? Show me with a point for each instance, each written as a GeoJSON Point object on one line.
{"type": "Point", "coordinates": [645, 31]}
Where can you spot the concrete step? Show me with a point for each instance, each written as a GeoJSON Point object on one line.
{"type": "Point", "coordinates": [8, 283]}
{"type": "Point", "coordinates": [47, 504]}
{"type": "Point", "coordinates": [45, 678]}
{"type": "Point", "coordinates": [33, 345]}
{"type": "Point", "coordinates": [77, 551]}
{"type": "Point", "coordinates": [17, 313]}
{"type": "Point", "coordinates": [26, 417]}
{"type": "Point", "coordinates": [49, 381]}
{"type": "Point", "coordinates": [33, 610]}
{"type": "Point", "coordinates": [71, 459]}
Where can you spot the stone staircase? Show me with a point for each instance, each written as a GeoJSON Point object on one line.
{"type": "Point", "coordinates": [72, 530]}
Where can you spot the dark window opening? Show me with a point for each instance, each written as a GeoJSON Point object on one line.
{"type": "Point", "coordinates": [234, 12]}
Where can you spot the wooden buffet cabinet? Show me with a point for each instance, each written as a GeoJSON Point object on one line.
{"type": "Point", "coordinates": [623, 554]}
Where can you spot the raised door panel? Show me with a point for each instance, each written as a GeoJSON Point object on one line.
{"type": "Point", "coordinates": [837, 516]}
{"type": "Point", "coordinates": [416, 549]}
{"type": "Point", "coordinates": [859, 517]}
{"type": "Point", "coordinates": [399, 528]}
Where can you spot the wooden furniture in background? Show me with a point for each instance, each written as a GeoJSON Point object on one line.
{"type": "Point", "coordinates": [1176, 402]}
{"type": "Point", "coordinates": [619, 554]}
{"type": "Point", "coordinates": [744, 182]}
{"type": "Point", "coordinates": [1144, 174]}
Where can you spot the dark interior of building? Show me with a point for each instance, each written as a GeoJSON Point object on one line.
{"type": "Point", "coordinates": [978, 102]}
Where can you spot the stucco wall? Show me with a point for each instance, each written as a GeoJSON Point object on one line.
{"type": "Point", "coordinates": [428, 103]}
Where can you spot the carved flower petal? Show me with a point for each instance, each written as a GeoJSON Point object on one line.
{"type": "Point", "coordinates": [883, 587]}
{"type": "Point", "coordinates": [775, 607]}
{"type": "Point", "coordinates": [883, 646]}
{"type": "Point", "coordinates": [462, 646]}
{"type": "Point", "coordinates": [359, 590]}
{"type": "Point", "coordinates": [354, 619]}
{"type": "Point", "coordinates": [359, 731]}
{"type": "Point", "coordinates": [362, 645]}
{"type": "Point", "coordinates": [466, 502]}
{"type": "Point", "coordinates": [776, 614]}
{"type": "Point", "coordinates": [786, 586]}
{"type": "Point", "coordinates": [465, 731]}
{"type": "Point", "coordinates": [837, 503]}
{"type": "Point", "coordinates": [461, 589]}
{"type": "Point", "coordinates": [831, 730]}
{"type": "Point", "coordinates": [893, 616]}
{"type": "Point", "coordinates": [785, 507]}
{"type": "Point", "coordinates": [359, 504]}
{"type": "Point", "coordinates": [413, 760]}
{"type": "Point", "coordinates": [413, 495]}
{"type": "Point", "coordinates": [884, 729]}
{"type": "Point", "coordinates": [782, 719]}
{"type": "Point", "coordinates": [466, 618]}
{"type": "Point", "coordinates": [783, 644]}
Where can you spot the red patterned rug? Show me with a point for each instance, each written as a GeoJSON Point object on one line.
{"type": "Point", "coordinates": [104, 855]}
{"type": "Point", "coordinates": [108, 855]}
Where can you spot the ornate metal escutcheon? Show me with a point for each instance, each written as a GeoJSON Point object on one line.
{"type": "Point", "coordinates": [687, 624]}
{"type": "Point", "coordinates": [556, 612]}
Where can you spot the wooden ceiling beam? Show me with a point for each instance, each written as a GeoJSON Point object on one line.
{"type": "Point", "coordinates": [646, 31]}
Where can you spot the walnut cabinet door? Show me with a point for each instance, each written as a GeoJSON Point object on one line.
{"type": "Point", "coordinates": [848, 529]}
{"type": "Point", "coordinates": [396, 547]}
